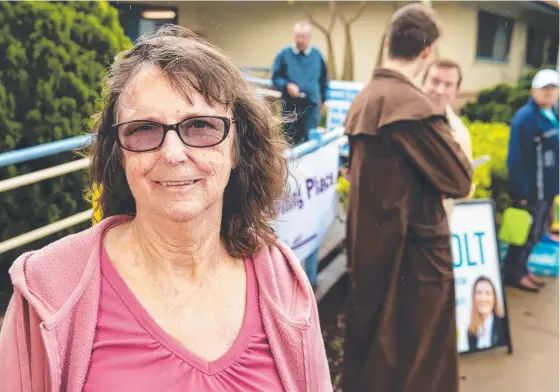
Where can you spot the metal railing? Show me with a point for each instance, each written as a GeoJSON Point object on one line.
{"type": "Point", "coordinates": [317, 140]}
{"type": "Point", "coordinates": [246, 70]}
{"type": "Point", "coordinates": [44, 150]}
{"type": "Point", "coordinates": [262, 87]}
{"type": "Point", "coordinates": [36, 152]}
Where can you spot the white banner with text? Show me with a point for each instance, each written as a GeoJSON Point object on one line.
{"type": "Point", "coordinates": [304, 218]}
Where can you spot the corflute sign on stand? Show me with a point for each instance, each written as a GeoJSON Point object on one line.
{"type": "Point", "coordinates": [304, 218]}
{"type": "Point", "coordinates": [339, 97]}
{"type": "Point", "coordinates": [482, 320]}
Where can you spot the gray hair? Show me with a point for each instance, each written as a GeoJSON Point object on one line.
{"type": "Point", "coordinates": [303, 25]}
{"type": "Point", "coordinates": [193, 65]}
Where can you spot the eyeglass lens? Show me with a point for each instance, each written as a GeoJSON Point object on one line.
{"type": "Point", "coordinates": [195, 132]}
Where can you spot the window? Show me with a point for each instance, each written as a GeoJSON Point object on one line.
{"type": "Point", "coordinates": [552, 52]}
{"type": "Point", "coordinates": [138, 19]}
{"type": "Point", "coordinates": [541, 48]}
{"type": "Point", "coordinates": [494, 36]}
{"type": "Point", "coordinates": [534, 49]}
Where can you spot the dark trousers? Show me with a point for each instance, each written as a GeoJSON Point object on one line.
{"type": "Point", "coordinates": [515, 263]}
{"type": "Point", "coordinates": [303, 116]}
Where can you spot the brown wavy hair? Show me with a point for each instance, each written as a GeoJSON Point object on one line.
{"type": "Point", "coordinates": [476, 318]}
{"type": "Point", "coordinates": [192, 64]}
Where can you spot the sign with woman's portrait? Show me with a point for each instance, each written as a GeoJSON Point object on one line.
{"type": "Point", "coordinates": [480, 304]}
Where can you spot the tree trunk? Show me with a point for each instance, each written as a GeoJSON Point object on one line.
{"type": "Point", "coordinates": [331, 59]}
{"type": "Point", "coordinates": [327, 32]}
{"type": "Point", "coordinates": [348, 65]}
{"type": "Point", "coordinates": [381, 50]}
{"type": "Point", "coordinates": [428, 3]}
{"type": "Point", "coordinates": [348, 69]}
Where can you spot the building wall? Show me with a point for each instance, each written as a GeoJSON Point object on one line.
{"type": "Point", "coordinates": [459, 43]}
{"type": "Point", "coordinates": [253, 31]}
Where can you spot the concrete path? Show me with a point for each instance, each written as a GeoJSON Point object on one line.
{"type": "Point", "coordinates": [534, 364]}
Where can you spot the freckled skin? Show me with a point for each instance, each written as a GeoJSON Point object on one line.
{"type": "Point", "coordinates": [153, 98]}
{"type": "Point", "coordinates": [171, 255]}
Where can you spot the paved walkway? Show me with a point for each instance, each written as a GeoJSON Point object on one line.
{"type": "Point", "coordinates": [534, 322]}
{"type": "Point", "coordinates": [534, 364]}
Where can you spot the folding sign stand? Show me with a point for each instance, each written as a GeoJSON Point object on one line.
{"type": "Point", "coordinates": [482, 316]}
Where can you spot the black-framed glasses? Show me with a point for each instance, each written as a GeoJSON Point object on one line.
{"type": "Point", "coordinates": [198, 131]}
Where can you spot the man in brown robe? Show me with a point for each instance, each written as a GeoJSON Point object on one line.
{"type": "Point", "coordinates": [400, 323]}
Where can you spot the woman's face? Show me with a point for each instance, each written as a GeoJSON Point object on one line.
{"type": "Point", "coordinates": [484, 298]}
{"type": "Point", "coordinates": [175, 182]}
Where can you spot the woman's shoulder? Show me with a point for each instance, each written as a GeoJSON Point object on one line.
{"type": "Point", "coordinates": [278, 259]}
{"type": "Point", "coordinates": [74, 247]}
{"type": "Point", "coordinates": [54, 271]}
{"type": "Point", "coordinates": [56, 252]}
{"type": "Point", "coordinates": [284, 283]}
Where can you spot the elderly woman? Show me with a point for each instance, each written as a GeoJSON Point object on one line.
{"type": "Point", "coordinates": [183, 286]}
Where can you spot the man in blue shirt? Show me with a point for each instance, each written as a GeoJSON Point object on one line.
{"type": "Point", "coordinates": [533, 171]}
{"type": "Point", "coordinates": [300, 73]}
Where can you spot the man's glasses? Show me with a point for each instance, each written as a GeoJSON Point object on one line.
{"type": "Point", "coordinates": [199, 131]}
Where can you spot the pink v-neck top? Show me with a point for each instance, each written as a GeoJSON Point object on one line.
{"type": "Point", "coordinates": [132, 353]}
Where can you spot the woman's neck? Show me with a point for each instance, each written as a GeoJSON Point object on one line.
{"type": "Point", "coordinates": [188, 250]}
{"type": "Point", "coordinates": [485, 316]}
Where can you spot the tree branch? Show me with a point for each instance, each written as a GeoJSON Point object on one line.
{"type": "Point", "coordinates": [363, 6]}
{"type": "Point", "coordinates": [356, 16]}
{"type": "Point", "coordinates": [342, 18]}
{"type": "Point", "coordinates": [312, 20]}
{"type": "Point", "coordinates": [334, 10]}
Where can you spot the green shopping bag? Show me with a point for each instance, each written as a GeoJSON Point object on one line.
{"type": "Point", "coordinates": [515, 227]}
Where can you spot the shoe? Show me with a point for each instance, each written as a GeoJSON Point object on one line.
{"type": "Point", "coordinates": [524, 284]}
{"type": "Point", "coordinates": [537, 281]}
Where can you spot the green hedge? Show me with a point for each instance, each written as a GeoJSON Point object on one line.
{"type": "Point", "coordinates": [52, 57]}
{"type": "Point", "coordinates": [491, 178]}
{"type": "Point", "coordinates": [499, 103]}
{"type": "Point", "coordinates": [488, 121]}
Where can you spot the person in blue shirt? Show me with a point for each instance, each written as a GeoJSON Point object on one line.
{"type": "Point", "coordinates": [533, 171]}
{"type": "Point", "coordinates": [300, 73]}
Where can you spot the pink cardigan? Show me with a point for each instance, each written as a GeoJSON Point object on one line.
{"type": "Point", "coordinates": [47, 334]}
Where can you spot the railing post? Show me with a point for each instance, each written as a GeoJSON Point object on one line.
{"type": "Point", "coordinates": [311, 263]}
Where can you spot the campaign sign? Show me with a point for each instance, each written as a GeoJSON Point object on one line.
{"type": "Point", "coordinates": [310, 209]}
{"type": "Point", "coordinates": [482, 321]}
{"type": "Point", "coordinates": [336, 114]}
{"type": "Point", "coordinates": [340, 95]}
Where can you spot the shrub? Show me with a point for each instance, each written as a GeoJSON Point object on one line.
{"type": "Point", "coordinates": [491, 179]}
{"type": "Point", "coordinates": [499, 103]}
{"type": "Point", "coordinates": [53, 55]}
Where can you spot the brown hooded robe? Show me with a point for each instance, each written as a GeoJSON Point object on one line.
{"type": "Point", "coordinates": [400, 323]}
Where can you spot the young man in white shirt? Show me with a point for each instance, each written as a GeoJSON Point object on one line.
{"type": "Point", "coordinates": [441, 84]}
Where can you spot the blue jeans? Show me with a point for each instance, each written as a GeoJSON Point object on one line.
{"type": "Point", "coordinates": [308, 117]}
{"type": "Point", "coordinates": [515, 263]}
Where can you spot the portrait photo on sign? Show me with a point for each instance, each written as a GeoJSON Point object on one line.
{"type": "Point", "coordinates": [480, 307]}
{"type": "Point", "coordinates": [487, 320]}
